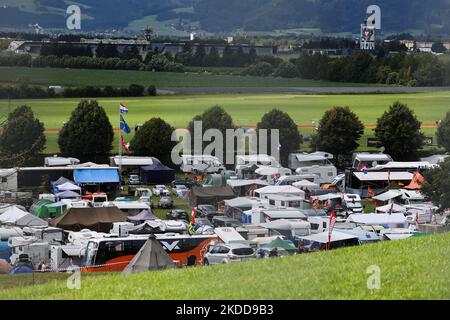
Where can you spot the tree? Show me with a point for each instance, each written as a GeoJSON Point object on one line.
{"type": "Point", "coordinates": [212, 59]}
{"type": "Point", "coordinates": [290, 137]}
{"type": "Point", "coordinates": [154, 139]}
{"type": "Point", "coordinates": [260, 69]}
{"type": "Point", "coordinates": [198, 58]}
{"type": "Point", "coordinates": [88, 134]}
{"type": "Point", "coordinates": [338, 133]}
{"type": "Point", "coordinates": [22, 136]}
{"type": "Point", "coordinates": [399, 132]}
{"type": "Point", "coordinates": [443, 133]}
{"type": "Point", "coordinates": [437, 186]}
{"type": "Point", "coordinates": [286, 70]}
{"type": "Point", "coordinates": [438, 47]}
{"type": "Point", "coordinates": [213, 118]}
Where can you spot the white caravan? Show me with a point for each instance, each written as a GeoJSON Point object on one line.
{"type": "Point", "coordinates": [369, 160]}
{"type": "Point", "coordinates": [201, 164]}
{"type": "Point", "coordinates": [314, 163]}
{"type": "Point", "coordinates": [259, 160]}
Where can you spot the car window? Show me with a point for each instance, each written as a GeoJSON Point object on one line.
{"type": "Point", "coordinates": [243, 251]}
{"type": "Point", "coordinates": [224, 250]}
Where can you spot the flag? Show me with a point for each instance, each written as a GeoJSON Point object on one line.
{"type": "Point", "coordinates": [124, 126]}
{"type": "Point", "coordinates": [123, 145]}
{"type": "Point", "coordinates": [417, 219]}
{"type": "Point", "coordinates": [389, 177]}
{"type": "Point", "coordinates": [331, 226]}
{"type": "Point", "coordinates": [123, 108]}
{"type": "Point", "coordinates": [370, 192]}
{"type": "Point", "coordinates": [316, 204]}
{"type": "Point", "coordinates": [391, 209]}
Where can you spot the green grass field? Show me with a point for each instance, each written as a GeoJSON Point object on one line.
{"type": "Point", "coordinates": [246, 109]}
{"type": "Point", "coordinates": [416, 268]}
{"type": "Point", "coordinates": [123, 78]}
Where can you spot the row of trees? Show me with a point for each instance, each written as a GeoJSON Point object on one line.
{"type": "Point", "coordinates": [25, 91]}
{"type": "Point", "coordinates": [87, 133]}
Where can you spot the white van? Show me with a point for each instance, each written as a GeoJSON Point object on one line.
{"type": "Point", "coordinates": [201, 164]}
{"type": "Point", "coordinates": [259, 160]}
{"type": "Point", "coordinates": [369, 160]}
{"type": "Point", "coordinates": [314, 163]}
{"type": "Point", "coordinates": [289, 180]}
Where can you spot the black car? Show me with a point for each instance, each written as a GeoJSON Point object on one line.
{"type": "Point", "coordinates": [184, 182]}
{"type": "Point", "coordinates": [177, 215]}
{"type": "Point", "coordinates": [224, 221]}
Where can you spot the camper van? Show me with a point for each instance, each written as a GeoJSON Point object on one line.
{"type": "Point", "coordinates": [289, 180]}
{"type": "Point", "coordinates": [201, 164]}
{"type": "Point", "coordinates": [317, 163]}
{"type": "Point", "coordinates": [114, 254]}
{"type": "Point", "coordinates": [258, 160]}
{"type": "Point", "coordinates": [369, 160]}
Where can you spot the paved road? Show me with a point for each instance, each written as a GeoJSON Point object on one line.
{"type": "Point", "coordinates": [321, 90]}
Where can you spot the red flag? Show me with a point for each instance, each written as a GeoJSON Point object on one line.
{"type": "Point", "coordinates": [123, 145]}
{"type": "Point", "coordinates": [331, 226]}
{"type": "Point", "coordinates": [370, 192]}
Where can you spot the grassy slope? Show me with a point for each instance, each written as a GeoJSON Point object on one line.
{"type": "Point", "coordinates": [246, 109]}
{"type": "Point", "coordinates": [77, 77]}
{"type": "Point", "coordinates": [410, 269]}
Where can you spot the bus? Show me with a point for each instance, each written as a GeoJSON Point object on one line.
{"type": "Point", "coordinates": [114, 254]}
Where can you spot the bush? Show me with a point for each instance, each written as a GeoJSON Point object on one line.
{"type": "Point", "coordinates": [152, 90]}
{"type": "Point", "coordinates": [286, 70]}
{"type": "Point", "coordinates": [260, 69]}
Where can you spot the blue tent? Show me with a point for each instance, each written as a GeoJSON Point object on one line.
{"type": "Point", "coordinates": [157, 173]}
{"type": "Point", "coordinates": [22, 269]}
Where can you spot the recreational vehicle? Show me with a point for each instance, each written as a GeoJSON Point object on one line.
{"type": "Point", "coordinates": [289, 180]}
{"type": "Point", "coordinates": [257, 160]}
{"type": "Point", "coordinates": [201, 164]}
{"type": "Point", "coordinates": [369, 160]}
{"type": "Point", "coordinates": [317, 163]}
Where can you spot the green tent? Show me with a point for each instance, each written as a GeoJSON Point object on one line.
{"type": "Point", "coordinates": [280, 243]}
{"type": "Point", "coordinates": [39, 208]}
{"type": "Point", "coordinates": [56, 209]}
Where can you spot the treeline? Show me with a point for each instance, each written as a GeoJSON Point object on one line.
{"type": "Point", "coordinates": [24, 91]}
{"type": "Point", "coordinates": [153, 62]}
{"type": "Point", "coordinates": [231, 56]}
{"type": "Point", "coordinates": [360, 67]}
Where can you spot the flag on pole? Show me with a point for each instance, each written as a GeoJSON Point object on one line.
{"type": "Point", "coordinates": [363, 169]}
{"type": "Point", "coordinates": [417, 220]}
{"type": "Point", "coordinates": [123, 108]}
{"type": "Point", "coordinates": [331, 226]}
{"type": "Point", "coordinates": [124, 126]}
{"type": "Point", "coordinates": [123, 145]}
{"type": "Point", "coordinates": [370, 192]}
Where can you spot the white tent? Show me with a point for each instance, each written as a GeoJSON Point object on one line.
{"type": "Point", "coordinates": [20, 218]}
{"type": "Point", "coordinates": [152, 256]}
{"type": "Point", "coordinates": [68, 187]}
{"type": "Point", "coordinates": [335, 236]}
{"type": "Point", "coordinates": [391, 207]}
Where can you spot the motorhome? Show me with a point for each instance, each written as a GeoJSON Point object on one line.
{"type": "Point", "coordinates": [200, 164]}
{"type": "Point", "coordinates": [288, 201]}
{"type": "Point", "coordinates": [114, 254]}
{"type": "Point", "coordinates": [96, 199]}
{"type": "Point", "coordinates": [128, 207]}
{"type": "Point", "coordinates": [289, 229]}
{"type": "Point", "coordinates": [256, 160]}
{"type": "Point", "coordinates": [353, 203]}
{"type": "Point", "coordinates": [369, 160]}
{"type": "Point", "coordinates": [291, 179]}
{"type": "Point", "coordinates": [317, 163]}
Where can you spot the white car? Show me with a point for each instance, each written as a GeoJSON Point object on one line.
{"type": "Point", "coordinates": [161, 190]}
{"type": "Point", "coordinates": [180, 191]}
{"type": "Point", "coordinates": [226, 253]}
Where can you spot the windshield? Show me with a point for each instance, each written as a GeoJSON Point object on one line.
{"type": "Point", "coordinates": [243, 251]}
{"type": "Point", "coordinates": [91, 252]}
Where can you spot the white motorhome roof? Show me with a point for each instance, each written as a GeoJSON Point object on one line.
{"type": "Point", "coordinates": [256, 158]}
{"type": "Point", "coordinates": [284, 214]}
{"type": "Point", "coordinates": [305, 184]}
{"type": "Point", "coordinates": [280, 189]}
{"type": "Point", "coordinates": [401, 165]}
{"type": "Point", "coordinates": [283, 224]}
{"type": "Point", "coordinates": [133, 161]}
{"type": "Point", "coordinates": [328, 196]}
{"type": "Point", "coordinates": [129, 205]}
{"type": "Point", "coordinates": [234, 183]}
{"type": "Point", "coordinates": [228, 235]}
{"type": "Point", "coordinates": [373, 157]}
{"type": "Point", "coordinates": [285, 197]}
{"type": "Point", "coordinates": [388, 195]}
{"type": "Point", "coordinates": [316, 156]}
{"type": "Point", "coordinates": [335, 236]}
{"type": "Point", "coordinates": [270, 171]}
{"type": "Point", "coordinates": [377, 218]}
{"type": "Point", "coordinates": [383, 176]}
{"type": "Point", "coordinates": [391, 208]}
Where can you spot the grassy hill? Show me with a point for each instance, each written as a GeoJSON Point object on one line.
{"type": "Point", "coordinates": [416, 268]}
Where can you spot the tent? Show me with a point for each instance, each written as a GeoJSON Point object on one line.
{"type": "Point", "coordinates": [68, 195]}
{"type": "Point", "coordinates": [280, 243]}
{"type": "Point", "coordinates": [335, 236]}
{"type": "Point", "coordinates": [55, 209]}
{"type": "Point", "coordinates": [40, 209]}
{"type": "Point", "coordinates": [104, 175]}
{"type": "Point", "coordinates": [68, 186]}
{"type": "Point", "coordinates": [417, 182]}
{"type": "Point", "coordinates": [96, 219]}
{"type": "Point", "coordinates": [5, 267]}
{"type": "Point", "coordinates": [20, 218]}
{"type": "Point", "coordinates": [391, 207]}
{"type": "Point", "coordinates": [388, 195]}
{"type": "Point", "coordinates": [157, 173]}
{"type": "Point", "coordinates": [210, 195]}
{"type": "Point", "coordinates": [61, 181]}
{"type": "Point", "coordinates": [151, 257]}
{"type": "Point", "coordinates": [144, 215]}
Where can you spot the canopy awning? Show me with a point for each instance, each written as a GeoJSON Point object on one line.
{"type": "Point", "coordinates": [391, 207]}
{"type": "Point", "coordinates": [96, 176]}
{"type": "Point", "coordinates": [388, 195]}
{"type": "Point", "coordinates": [377, 219]}
{"type": "Point", "coordinates": [335, 236]}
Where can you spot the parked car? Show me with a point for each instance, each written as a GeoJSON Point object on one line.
{"type": "Point", "coordinates": [161, 190]}
{"type": "Point", "coordinates": [165, 203]}
{"type": "Point", "coordinates": [146, 200]}
{"type": "Point", "coordinates": [226, 253]}
{"type": "Point", "coordinates": [184, 182]}
{"type": "Point", "coordinates": [177, 214]}
{"type": "Point", "coordinates": [180, 191]}
{"type": "Point", "coordinates": [204, 209]}
{"type": "Point", "coordinates": [271, 252]}
{"type": "Point", "coordinates": [134, 179]}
